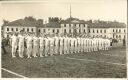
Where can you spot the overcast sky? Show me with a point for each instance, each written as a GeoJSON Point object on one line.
{"type": "Point", "coordinates": [83, 9]}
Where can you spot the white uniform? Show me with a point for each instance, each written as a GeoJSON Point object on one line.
{"type": "Point", "coordinates": [29, 46]}
{"type": "Point", "coordinates": [21, 45]}
{"type": "Point", "coordinates": [94, 44]}
{"type": "Point", "coordinates": [90, 45]}
{"type": "Point", "coordinates": [56, 45]}
{"type": "Point", "coordinates": [82, 45]}
{"type": "Point", "coordinates": [75, 45]}
{"type": "Point", "coordinates": [14, 45]}
{"type": "Point", "coordinates": [51, 46]}
{"type": "Point", "coordinates": [65, 45]}
{"type": "Point", "coordinates": [61, 45]}
{"type": "Point", "coordinates": [100, 44]}
{"type": "Point", "coordinates": [78, 40]}
{"type": "Point", "coordinates": [35, 46]}
{"type": "Point", "coordinates": [108, 44]}
{"type": "Point", "coordinates": [72, 45]}
{"type": "Point", "coordinates": [68, 45]}
{"type": "Point", "coordinates": [42, 45]}
{"type": "Point", "coordinates": [46, 46]}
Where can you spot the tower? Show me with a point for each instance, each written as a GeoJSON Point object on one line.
{"type": "Point", "coordinates": [70, 11]}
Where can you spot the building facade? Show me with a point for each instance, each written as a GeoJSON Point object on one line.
{"type": "Point", "coordinates": [69, 26]}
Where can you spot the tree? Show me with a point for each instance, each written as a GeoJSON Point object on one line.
{"type": "Point", "coordinates": [30, 18]}
{"type": "Point", "coordinates": [5, 22]}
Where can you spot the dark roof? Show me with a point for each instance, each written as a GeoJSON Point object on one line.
{"type": "Point", "coordinates": [53, 25]}
{"type": "Point", "coordinates": [73, 21]}
{"type": "Point", "coordinates": [22, 22]}
{"type": "Point", "coordinates": [106, 25]}
{"type": "Point", "coordinates": [26, 23]}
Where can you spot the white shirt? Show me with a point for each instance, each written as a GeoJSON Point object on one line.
{"type": "Point", "coordinates": [21, 40]}
{"type": "Point", "coordinates": [29, 40]}
{"type": "Point", "coordinates": [14, 40]}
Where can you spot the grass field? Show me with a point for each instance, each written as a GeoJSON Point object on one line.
{"type": "Point", "coordinates": [101, 64]}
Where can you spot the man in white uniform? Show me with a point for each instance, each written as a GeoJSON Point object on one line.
{"type": "Point", "coordinates": [72, 45]}
{"type": "Point", "coordinates": [21, 44]}
{"type": "Point", "coordinates": [35, 46]}
{"type": "Point", "coordinates": [41, 38]}
{"type": "Point", "coordinates": [56, 45]}
{"type": "Point", "coordinates": [29, 46]}
{"type": "Point", "coordinates": [75, 45]}
{"type": "Point", "coordinates": [61, 45]}
{"type": "Point", "coordinates": [51, 39]}
{"type": "Point", "coordinates": [65, 44]}
{"type": "Point", "coordinates": [14, 41]}
{"type": "Point", "coordinates": [78, 43]}
{"type": "Point", "coordinates": [47, 46]}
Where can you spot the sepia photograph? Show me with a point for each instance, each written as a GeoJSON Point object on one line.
{"type": "Point", "coordinates": [63, 39]}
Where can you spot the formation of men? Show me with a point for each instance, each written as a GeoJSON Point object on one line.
{"type": "Point", "coordinates": [41, 46]}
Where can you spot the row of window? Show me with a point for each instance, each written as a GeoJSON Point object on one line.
{"type": "Point", "coordinates": [117, 30]}
{"type": "Point", "coordinates": [12, 29]}
{"type": "Point", "coordinates": [97, 31]}
{"type": "Point", "coordinates": [93, 31]}
{"type": "Point", "coordinates": [65, 31]}
{"type": "Point", "coordinates": [74, 25]}
{"type": "Point", "coordinates": [53, 30]}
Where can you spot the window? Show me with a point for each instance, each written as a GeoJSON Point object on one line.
{"type": "Point", "coordinates": [69, 30]}
{"type": "Point", "coordinates": [64, 25]}
{"type": "Point", "coordinates": [23, 29]}
{"type": "Point", "coordinates": [100, 31]}
{"type": "Point", "coordinates": [88, 30]}
{"type": "Point", "coordinates": [113, 36]}
{"type": "Point", "coordinates": [119, 36]}
{"type": "Point", "coordinates": [69, 25]}
{"type": "Point", "coordinates": [84, 25]}
{"type": "Point", "coordinates": [12, 29]}
{"type": "Point", "coordinates": [124, 36]}
{"type": "Point", "coordinates": [79, 25]}
{"type": "Point", "coordinates": [93, 31]}
{"type": "Point", "coordinates": [32, 29]}
{"type": "Point", "coordinates": [64, 30]}
{"type": "Point", "coordinates": [116, 36]}
{"type": "Point", "coordinates": [124, 31]}
{"type": "Point", "coordinates": [105, 36]}
{"type": "Point", "coordinates": [116, 30]}
{"type": "Point", "coordinates": [53, 30]}
{"type": "Point", "coordinates": [16, 29]}
{"type": "Point", "coordinates": [84, 30]}
{"type": "Point", "coordinates": [74, 24]}
{"type": "Point", "coordinates": [79, 31]}
{"type": "Point", "coordinates": [104, 31]}
{"type": "Point", "coordinates": [27, 29]}
{"type": "Point", "coordinates": [57, 30]}
{"type": "Point", "coordinates": [38, 30]}
{"type": "Point", "coordinates": [44, 30]}
{"type": "Point", "coordinates": [97, 31]}
{"type": "Point", "coordinates": [93, 36]}
{"type": "Point", "coordinates": [7, 29]}
{"type": "Point", "coordinates": [113, 30]}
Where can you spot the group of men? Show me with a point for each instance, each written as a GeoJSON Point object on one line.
{"type": "Point", "coordinates": [40, 46]}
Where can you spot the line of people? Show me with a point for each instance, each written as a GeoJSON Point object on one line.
{"type": "Point", "coordinates": [53, 45]}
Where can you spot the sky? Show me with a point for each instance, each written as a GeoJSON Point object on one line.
{"type": "Point", "coordinates": [108, 10]}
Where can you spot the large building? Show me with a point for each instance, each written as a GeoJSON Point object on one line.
{"type": "Point", "coordinates": [68, 26]}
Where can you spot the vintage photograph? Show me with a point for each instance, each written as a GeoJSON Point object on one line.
{"type": "Point", "coordinates": [63, 39]}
